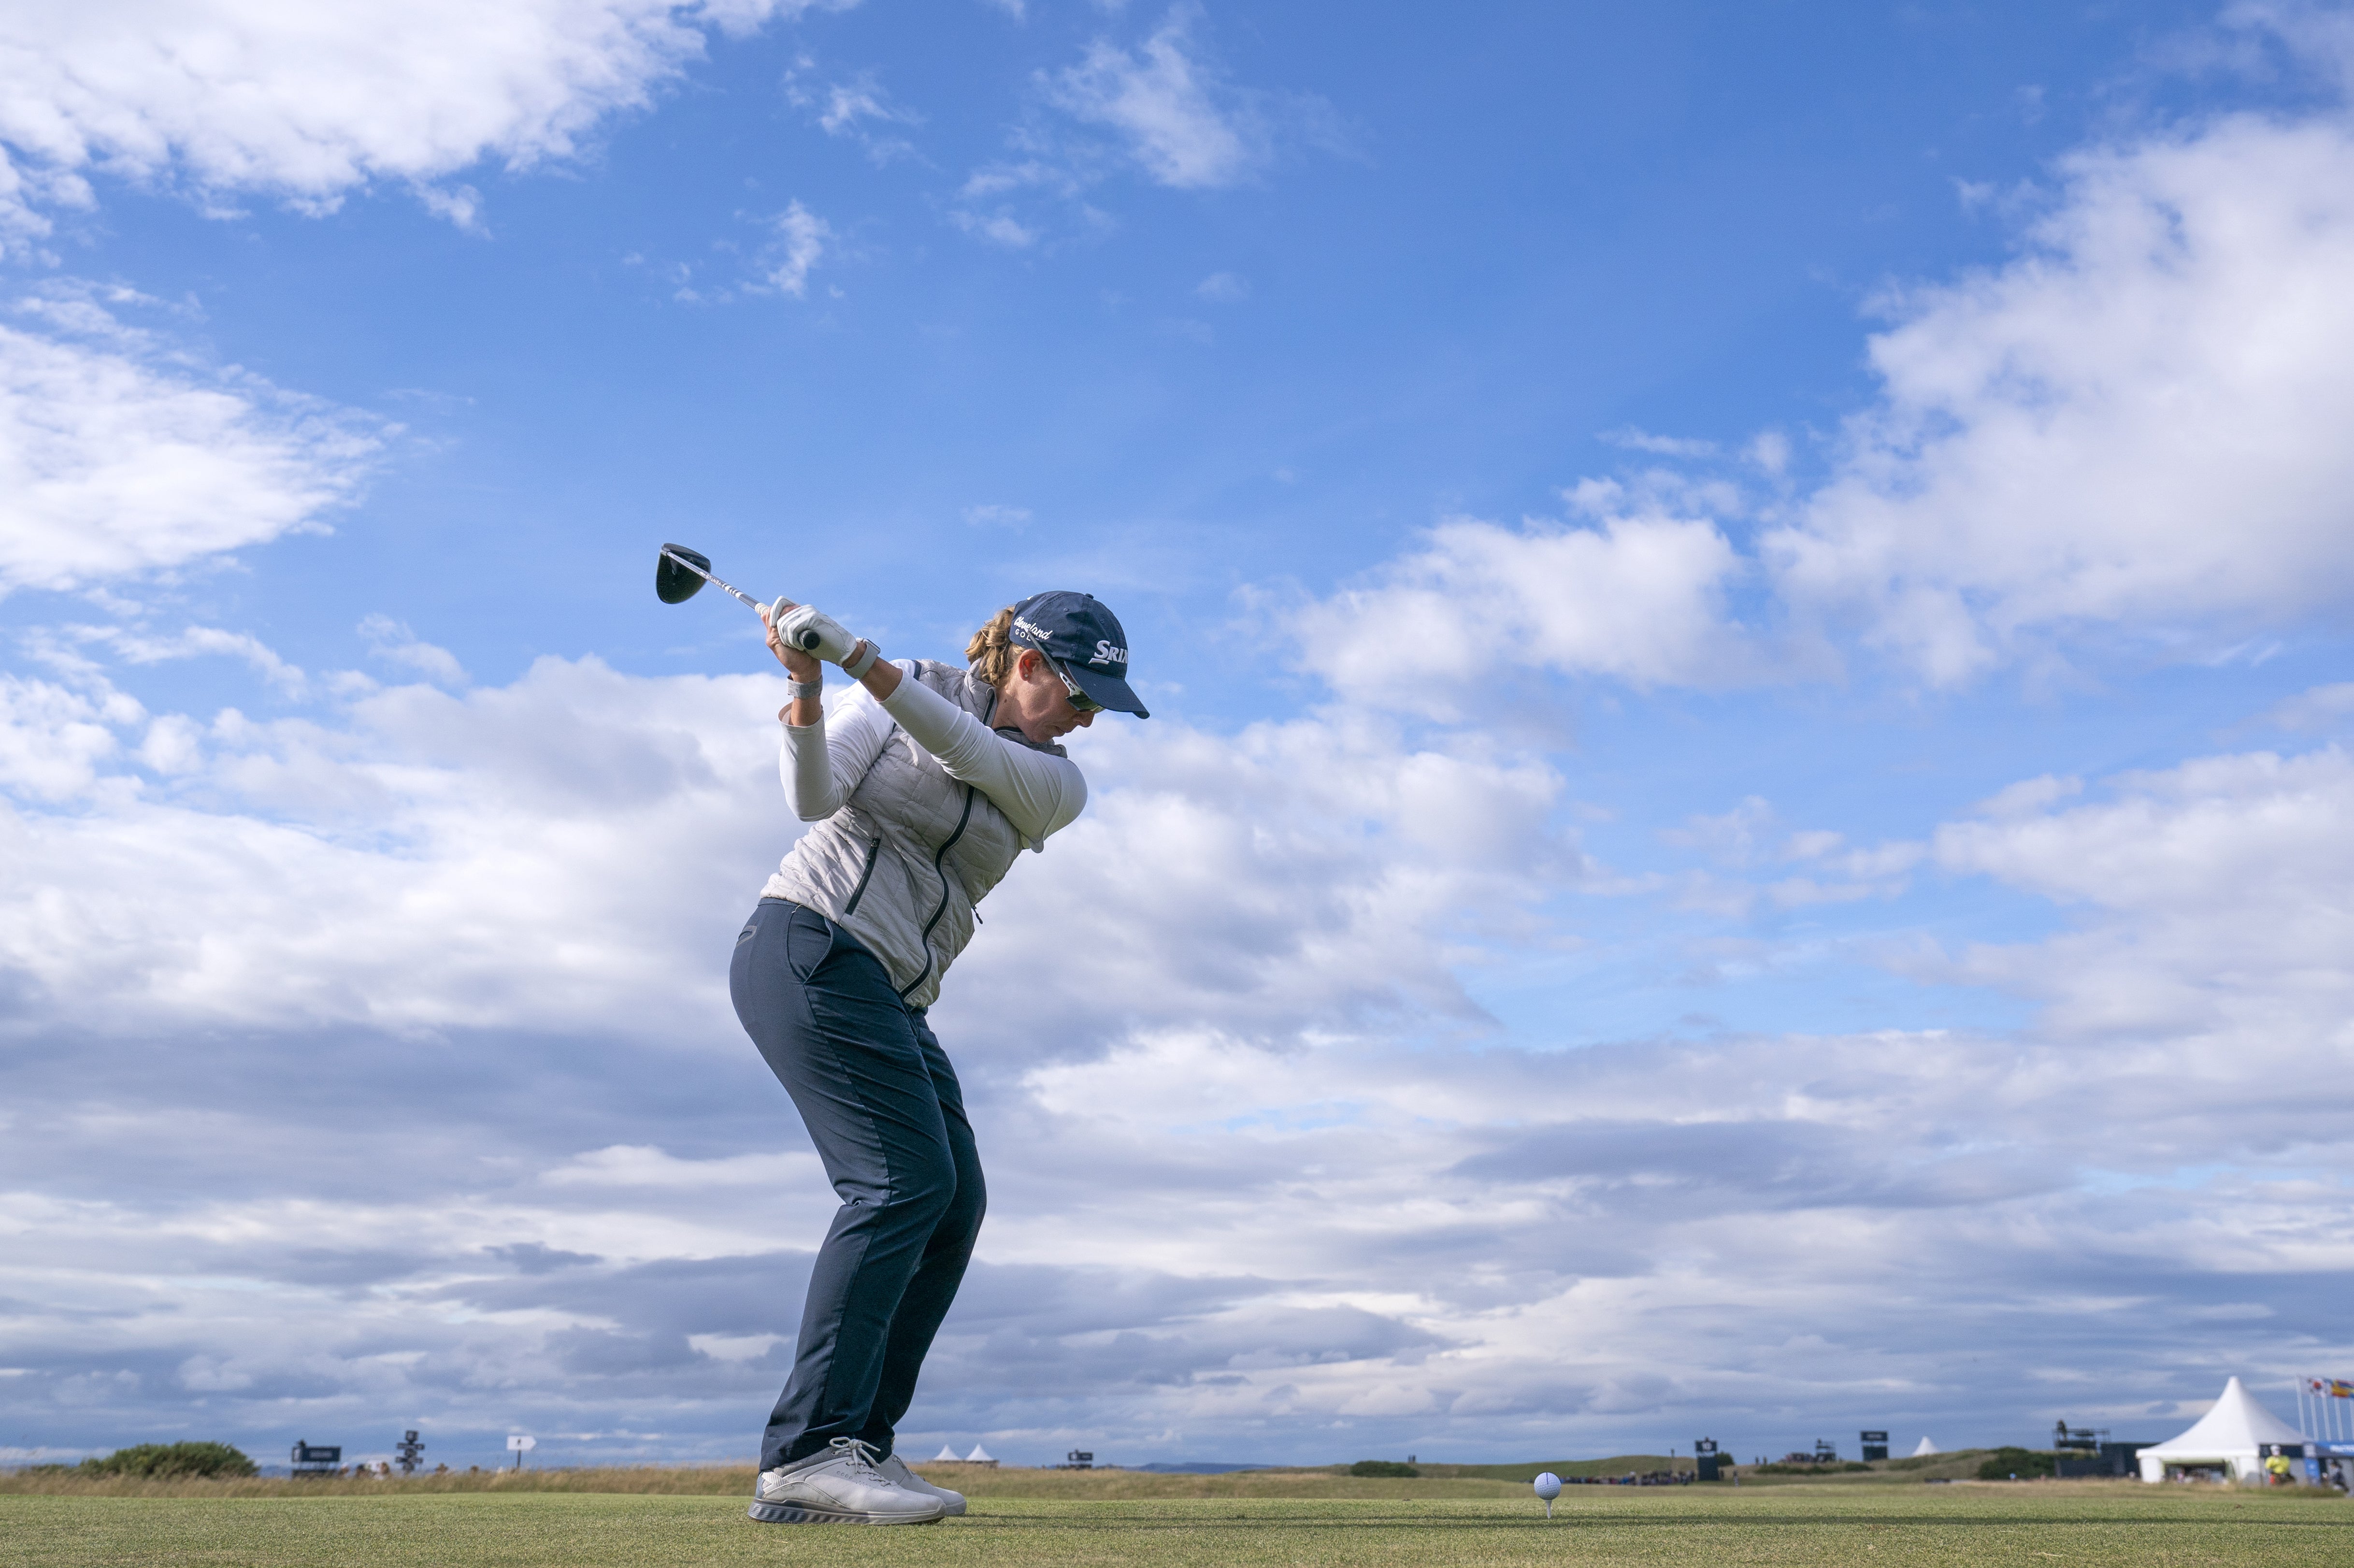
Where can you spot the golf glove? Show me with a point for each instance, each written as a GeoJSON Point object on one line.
{"type": "Point", "coordinates": [832, 644]}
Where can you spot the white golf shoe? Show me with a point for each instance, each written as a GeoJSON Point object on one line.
{"type": "Point", "coordinates": [839, 1486]}
{"type": "Point", "coordinates": [894, 1470]}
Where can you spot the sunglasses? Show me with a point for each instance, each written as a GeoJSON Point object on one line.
{"type": "Point", "coordinates": [1080, 700]}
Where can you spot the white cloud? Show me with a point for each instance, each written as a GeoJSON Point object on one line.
{"type": "Point", "coordinates": [1641, 1206]}
{"type": "Point", "coordinates": [987, 202]}
{"type": "Point", "coordinates": [1181, 124]}
{"type": "Point", "coordinates": [2133, 431]}
{"type": "Point", "coordinates": [1223, 289]}
{"type": "Point", "coordinates": [69, 650]}
{"type": "Point", "coordinates": [2323, 707]}
{"type": "Point", "coordinates": [459, 205]}
{"type": "Point", "coordinates": [801, 238]}
{"type": "Point", "coordinates": [328, 865]}
{"type": "Point", "coordinates": [117, 457]}
{"type": "Point", "coordinates": [788, 247]}
{"type": "Point", "coordinates": [1638, 593]}
{"type": "Point", "coordinates": [392, 640]}
{"type": "Point", "coordinates": [2213, 898]}
{"type": "Point", "coordinates": [342, 861]}
{"type": "Point", "coordinates": [1160, 107]}
{"type": "Point", "coordinates": [849, 104]}
{"type": "Point", "coordinates": [1734, 838]}
{"type": "Point", "coordinates": [511, 908]}
{"type": "Point", "coordinates": [998, 516]}
{"type": "Point", "coordinates": [1293, 877]}
{"type": "Point", "coordinates": [2317, 35]}
{"type": "Point", "coordinates": [174, 744]}
{"type": "Point", "coordinates": [857, 108]}
{"type": "Point", "coordinates": [2029, 796]}
{"type": "Point", "coordinates": [1633, 439]}
{"type": "Point", "coordinates": [52, 740]}
{"type": "Point", "coordinates": [998, 179]}
{"type": "Point", "coordinates": [223, 97]}
{"type": "Point", "coordinates": [1770, 450]}
{"type": "Point", "coordinates": [199, 641]}
{"type": "Point", "coordinates": [998, 228]}
{"type": "Point", "coordinates": [1753, 835]}
{"type": "Point", "coordinates": [637, 1165]}
{"type": "Point", "coordinates": [2138, 424]}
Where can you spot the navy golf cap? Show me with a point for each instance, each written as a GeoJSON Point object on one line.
{"type": "Point", "coordinates": [1079, 633]}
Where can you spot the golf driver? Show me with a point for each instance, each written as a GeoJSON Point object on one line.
{"type": "Point", "coordinates": [679, 573]}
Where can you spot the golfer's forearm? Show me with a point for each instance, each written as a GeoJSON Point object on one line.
{"type": "Point", "coordinates": [882, 680]}
{"type": "Point", "coordinates": [807, 766]}
{"type": "Point", "coordinates": [822, 762]}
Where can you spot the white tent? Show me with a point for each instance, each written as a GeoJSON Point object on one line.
{"type": "Point", "coordinates": [2228, 1436]}
{"type": "Point", "coordinates": [1925, 1447]}
{"type": "Point", "coordinates": [946, 1456]}
{"type": "Point", "coordinates": [979, 1456]}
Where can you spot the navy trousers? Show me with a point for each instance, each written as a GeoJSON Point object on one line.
{"type": "Point", "coordinates": [883, 1105]}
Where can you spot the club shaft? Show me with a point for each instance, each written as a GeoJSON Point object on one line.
{"type": "Point", "coordinates": [714, 580]}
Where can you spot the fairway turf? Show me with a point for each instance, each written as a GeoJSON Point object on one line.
{"type": "Point", "coordinates": [2028, 1525]}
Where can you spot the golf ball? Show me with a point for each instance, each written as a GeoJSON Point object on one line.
{"type": "Point", "coordinates": [1548, 1486]}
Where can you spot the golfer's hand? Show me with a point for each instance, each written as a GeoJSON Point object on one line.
{"type": "Point", "coordinates": [803, 666]}
{"type": "Point", "coordinates": [832, 644]}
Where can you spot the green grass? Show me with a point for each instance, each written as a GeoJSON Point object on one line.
{"type": "Point", "coordinates": [2086, 1524]}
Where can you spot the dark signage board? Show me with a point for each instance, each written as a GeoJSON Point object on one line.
{"type": "Point", "coordinates": [317, 1458]}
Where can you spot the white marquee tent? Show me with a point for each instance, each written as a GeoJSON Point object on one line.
{"type": "Point", "coordinates": [2230, 1434]}
{"type": "Point", "coordinates": [1924, 1449]}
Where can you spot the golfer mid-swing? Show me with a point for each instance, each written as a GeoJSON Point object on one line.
{"type": "Point", "coordinates": [923, 786]}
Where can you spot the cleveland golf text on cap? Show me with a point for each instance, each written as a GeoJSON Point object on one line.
{"type": "Point", "coordinates": [1080, 633]}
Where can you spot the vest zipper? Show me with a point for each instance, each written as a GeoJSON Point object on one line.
{"type": "Point", "coordinates": [939, 871]}
{"type": "Point", "coordinates": [873, 849]}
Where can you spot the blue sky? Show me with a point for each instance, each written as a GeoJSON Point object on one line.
{"type": "Point", "coordinates": [1745, 607]}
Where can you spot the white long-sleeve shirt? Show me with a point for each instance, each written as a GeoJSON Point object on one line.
{"type": "Point", "coordinates": [1039, 792]}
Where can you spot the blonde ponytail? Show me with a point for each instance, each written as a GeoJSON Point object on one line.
{"type": "Point", "coordinates": [990, 653]}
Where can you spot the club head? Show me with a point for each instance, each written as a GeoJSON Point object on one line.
{"type": "Point", "coordinates": [673, 584]}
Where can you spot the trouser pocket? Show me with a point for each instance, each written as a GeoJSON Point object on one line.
{"type": "Point", "coordinates": [809, 942]}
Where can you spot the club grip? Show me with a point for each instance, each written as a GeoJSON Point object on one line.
{"type": "Point", "coordinates": [808, 640]}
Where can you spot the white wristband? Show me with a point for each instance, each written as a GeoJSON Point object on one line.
{"type": "Point", "coordinates": [809, 691]}
{"type": "Point", "coordinates": [861, 659]}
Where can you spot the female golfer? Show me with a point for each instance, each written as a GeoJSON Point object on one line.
{"type": "Point", "coordinates": [923, 787]}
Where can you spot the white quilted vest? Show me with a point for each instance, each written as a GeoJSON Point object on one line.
{"type": "Point", "coordinates": [902, 863]}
